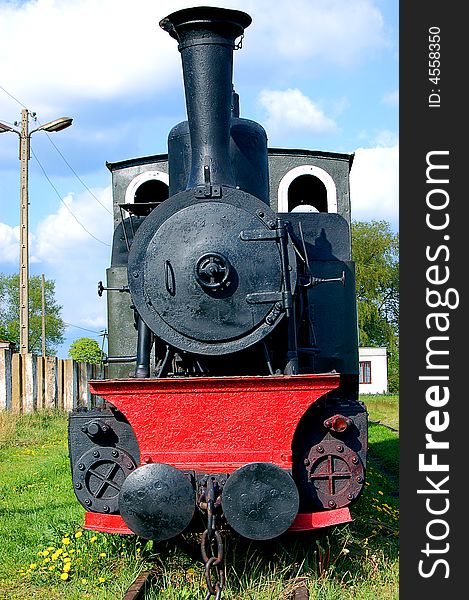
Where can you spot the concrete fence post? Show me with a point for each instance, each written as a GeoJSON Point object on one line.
{"type": "Point", "coordinates": [51, 382]}
{"type": "Point", "coordinates": [29, 373]}
{"type": "Point", "coordinates": [29, 382]}
{"type": "Point", "coordinates": [16, 383]}
{"type": "Point", "coordinates": [5, 379]}
{"type": "Point", "coordinates": [70, 384]}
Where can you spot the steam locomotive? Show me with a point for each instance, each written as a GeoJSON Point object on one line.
{"type": "Point", "coordinates": [232, 380]}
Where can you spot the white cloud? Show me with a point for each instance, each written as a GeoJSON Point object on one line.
{"type": "Point", "coordinates": [75, 260]}
{"type": "Point", "coordinates": [374, 184]}
{"type": "Point", "coordinates": [116, 49]}
{"type": "Point", "coordinates": [319, 33]}
{"type": "Point", "coordinates": [9, 243]}
{"type": "Point", "coordinates": [391, 98]}
{"type": "Point", "coordinates": [78, 224]}
{"type": "Point", "coordinates": [290, 110]}
{"type": "Point", "coordinates": [386, 138]}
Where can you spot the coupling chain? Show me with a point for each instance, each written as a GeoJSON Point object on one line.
{"type": "Point", "coordinates": [212, 547]}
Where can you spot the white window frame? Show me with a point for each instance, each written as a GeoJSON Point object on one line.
{"type": "Point", "coordinates": [142, 178]}
{"type": "Point", "coordinates": [321, 174]}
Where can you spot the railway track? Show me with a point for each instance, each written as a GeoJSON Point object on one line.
{"type": "Point", "coordinates": [148, 580]}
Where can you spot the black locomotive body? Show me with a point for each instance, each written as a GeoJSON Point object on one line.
{"type": "Point", "coordinates": [231, 281]}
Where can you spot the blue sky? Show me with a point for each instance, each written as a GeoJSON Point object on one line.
{"type": "Point", "coordinates": [317, 74]}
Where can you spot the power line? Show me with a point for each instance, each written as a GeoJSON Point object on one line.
{"type": "Point", "coordinates": [76, 174]}
{"type": "Point", "coordinates": [64, 203]}
{"type": "Point", "coordinates": [83, 328]}
{"type": "Point", "coordinates": [11, 96]}
{"type": "Point", "coordinates": [60, 154]}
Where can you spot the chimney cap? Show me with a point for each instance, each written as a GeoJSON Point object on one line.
{"type": "Point", "coordinates": [205, 16]}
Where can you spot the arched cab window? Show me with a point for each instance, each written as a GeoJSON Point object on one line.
{"type": "Point", "coordinates": [149, 188]}
{"type": "Point", "coordinates": [307, 188]}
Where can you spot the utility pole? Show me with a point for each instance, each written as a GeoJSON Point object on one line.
{"type": "Point", "coordinates": [43, 302]}
{"type": "Point", "coordinates": [24, 234]}
{"type": "Point", "coordinates": [25, 139]}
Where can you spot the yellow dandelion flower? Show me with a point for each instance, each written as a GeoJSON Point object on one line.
{"type": "Point", "coordinates": [67, 567]}
{"type": "Point", "coordinates": [101, 580]}
{"type": "Point", "coordinates": [65, 541]}
{"type": "Point", "coordinates": [32, 566]}
{"type": "Point", "coordinates": [191, 571]}
{"type": "Point", "coordinates": [46, 560]}
{"type": "Point", "coordinates": [67, 559]}
{"type": "Point", "coordinates": [93, 539]}
{"type": "Point", "coordinates": [39, 553]}
{"type": "Point", "coordinates": [84, 581]}
{"type": "Point", "coordinates": [52, 567]}
{"type": "Point", "coordinates": [102, 555]}
{"type": "Point", "coordinates": [50, 549]}
{"type": "Point", "coordinates": [78, 534]}
{"type": "Point", "coordinates": [64, 576]}
{"type": "Point", "coordinates": [380, 492]}
{"type": "Point", "coordinates": [71, 551]}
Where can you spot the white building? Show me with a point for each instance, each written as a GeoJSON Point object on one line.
{"type": "Point", "coordinates": [373, 370]}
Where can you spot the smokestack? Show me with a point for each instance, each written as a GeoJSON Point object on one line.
{"type": "Point", "coordinates": [206, 37]}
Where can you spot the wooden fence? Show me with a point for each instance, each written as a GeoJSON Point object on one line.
{"type": "Point", "coordinates": [29, 382]}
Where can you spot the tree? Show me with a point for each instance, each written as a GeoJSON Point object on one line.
{"type": "Point", "coordinates": [86, 350]}
{"type": "Point", "coordinates": [375, 250]}
{"type": "Point", "coordinates": [10, 310]}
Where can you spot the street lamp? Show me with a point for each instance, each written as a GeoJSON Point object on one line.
{"type": "Point", "coordinates": [25, 139]}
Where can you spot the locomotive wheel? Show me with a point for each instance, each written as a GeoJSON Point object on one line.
{"type": "Point", "coordinates": [336, 473]}
{"type": "Point", "coordinates": [260, 501]}
{"type": "Point", "coordinates": [98, 477]}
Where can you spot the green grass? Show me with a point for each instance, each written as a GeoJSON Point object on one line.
{"type": "Point", "coordinates": [40, 528]}
{"type": "Point", "coordinates": [383, 408]}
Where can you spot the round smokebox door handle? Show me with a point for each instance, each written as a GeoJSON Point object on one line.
{"type": "Point", "coordinates": [212, 271]}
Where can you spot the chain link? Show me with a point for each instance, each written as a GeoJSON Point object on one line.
{"type": "Point", "coordinates": [212, 547]}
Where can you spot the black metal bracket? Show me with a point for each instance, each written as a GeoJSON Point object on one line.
{"type": "Point", "coordinates": [314, 281]}
{"type": "Point", "coordinates": [207, 190]}
{"type": "Point", "coordinates": [101, 289]}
